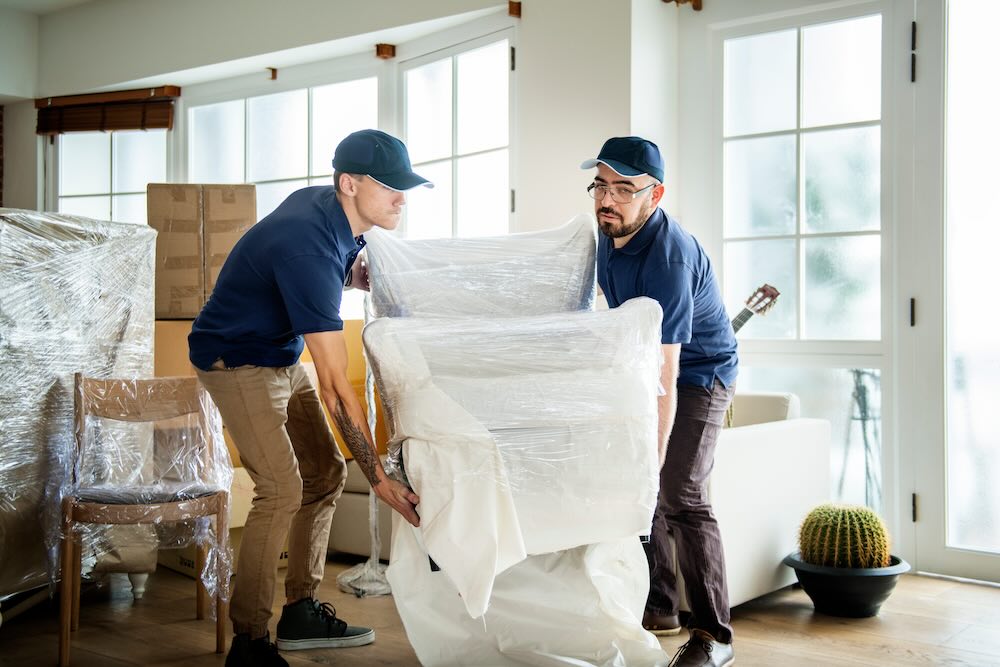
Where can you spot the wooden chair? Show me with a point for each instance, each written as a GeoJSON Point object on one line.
{"type": "Point", "coordinates": [148, 400]}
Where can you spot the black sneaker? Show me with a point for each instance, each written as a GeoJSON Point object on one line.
{"type": "Point", "coordinates": [309, 623]}
{"type": "Point", "coordinates": [246, 652]}
{"type": "Point", "coordinates": [703, 650]}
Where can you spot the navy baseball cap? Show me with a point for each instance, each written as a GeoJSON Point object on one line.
{"type": "Point", "coordinates": [379, 155]}
{"type": "Point", "coordinates": [630, 156]}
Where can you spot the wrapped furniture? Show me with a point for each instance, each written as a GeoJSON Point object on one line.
{"type": "Point", "coordinates": [533, 273]}
{"type": "Point", "coordinates": [114, 422]}
{"type": "Point", "coordinates": [527, 425]}
{"type": "Point", "coordinates": [76, 296]}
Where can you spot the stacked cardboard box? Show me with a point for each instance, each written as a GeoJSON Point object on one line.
{"type": "Point", "coordinates": [198, 225]}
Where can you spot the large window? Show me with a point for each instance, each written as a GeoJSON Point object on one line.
{"type": "Point", "coordinates": [451, 106]}
{"type": "Point", "coordinates": [280, 142]}
{"type": "Point", "coordinates": [802, 210]}
{"type": "Point", "coordinates": [103, 175]}
{"type": "Point", "coordinates": [802, 175]}
{"type": "Point", "coordinates": [456, 125]}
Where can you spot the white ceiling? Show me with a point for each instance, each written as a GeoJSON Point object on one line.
{"type": "Point", "coordinates": [39, 6]}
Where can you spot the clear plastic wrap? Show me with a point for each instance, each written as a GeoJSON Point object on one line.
{"type": "Point", "coordinates": [532, 273]}
{"type": "Point", "coordinates": [76, 296]}
{"type": "Point", "coordinates": [142, 444]}
{"type": "Point", "coordinates": [522, 435]}
{"type": "Point", "coordinates": [529, 431]}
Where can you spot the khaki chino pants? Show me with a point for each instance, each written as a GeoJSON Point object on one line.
{"type": "Point", "coordinates": [277, 423]}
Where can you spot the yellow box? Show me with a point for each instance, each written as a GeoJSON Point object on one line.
{"type": "Point", "coordinates": [170, 358]}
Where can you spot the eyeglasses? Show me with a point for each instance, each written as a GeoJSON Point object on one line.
{"type": "Point", "coordinates": [619, 194]}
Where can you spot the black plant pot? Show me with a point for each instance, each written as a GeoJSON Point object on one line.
{"type": "Point", "coordinates": [846, 591]}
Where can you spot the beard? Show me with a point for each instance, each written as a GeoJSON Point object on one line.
{"type": "Point", "coordinates": [613, 231]}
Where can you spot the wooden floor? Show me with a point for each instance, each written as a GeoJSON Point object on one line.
{"type": "Point", "coordinates": [927, 621]}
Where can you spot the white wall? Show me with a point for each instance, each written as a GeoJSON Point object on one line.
{"type": "Point", "coordinates": [572, 94]}
{"type": "Point", "coordinates": [22, 171]}
{"type": "Point", "coordinates": [19, 55]}
{"type": "Point", "coordinates": [588, 71]}
{"type": "Point", "coordinates": [653, 64]}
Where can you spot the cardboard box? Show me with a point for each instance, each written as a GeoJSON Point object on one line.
{"type": "Point", "coordinates": [198, 226]}
{"type": "Point", "coordinates": [185, 560]}
{"type": "Point", "coordinates": [175, 211]}
{"type": "Point", "coordinates": [229, 210]}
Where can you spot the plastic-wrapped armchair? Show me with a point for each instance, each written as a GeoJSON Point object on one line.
{"type": "Point", "coordinates": [148, 452]}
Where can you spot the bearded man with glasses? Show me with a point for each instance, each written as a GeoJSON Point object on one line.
{"type": "Point", "coordinates": [642, 251]}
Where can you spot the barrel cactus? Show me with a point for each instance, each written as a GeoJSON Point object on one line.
{"type": "Point", "coordinates": [844, 536]}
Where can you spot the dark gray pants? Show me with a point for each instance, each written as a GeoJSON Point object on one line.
{"type": "Point", "coordinates": [684, 513]}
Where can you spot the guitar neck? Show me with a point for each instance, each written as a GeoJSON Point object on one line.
{"type": "Point", "coordinates": [741, 318]}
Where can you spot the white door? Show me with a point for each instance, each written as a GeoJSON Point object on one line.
{"type": "Point", "coordinates": [949, 371]}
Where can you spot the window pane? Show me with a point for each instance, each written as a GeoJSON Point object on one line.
{"type": "Point", "coordinates": [760, 85]}
{"type": "Point", "coordinates": [842, 172]}
{"type": "Point", "coordinates": [843, 288]}
{"type": "Point", "coordinates": [338, 110]}
{"type": "Point", "coordinates": [278, 135]}
{"type": "Point", "coordinates": [483, 195]}
{"type": "Point", "coordinates": [98, 208]}
{"type": "Point", "coordinates": [129, 208]}
{"type": "Point", "coordinates": [851, 400]}
{"type": "Point", "coordinates": [760, 186]}
{"type": "Point", "coordinates": [85, 164]}
{"type": "Point", "coordinates": [269, 195]}
{"type": "Point", "coordinates": [750, 264]}
{"type": "Point", "coordinates": [428, 210]}
{"type": "Point", "coordinates": [973, 142]}
{"type": "Point", "coordinates": [216, 143]}
{"type": "Point", "coordinates": [428, 111]}
{"type": "Point", "coordinates": [842, 72]}
{"type": "Point", "coordinates": [352, 305]}
{"type": "Point", "coordinates": [483, 76]}
{"type": "Point", "coordinates": [140, 158]}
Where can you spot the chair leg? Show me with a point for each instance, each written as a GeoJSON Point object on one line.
{"type": "Point", "coordinates": [221, 543]}
{"type": "Point", "coordinates": [66, 561]}
{"type": "Point", "coordinates": [77, 569]}
{"type": "Point", "coordinates": [138, 581]}
{"type": "Point", "coordinates": [201, 597]}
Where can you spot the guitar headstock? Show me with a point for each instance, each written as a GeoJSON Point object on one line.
{"type": "Point", "coordinates": [763, 299]}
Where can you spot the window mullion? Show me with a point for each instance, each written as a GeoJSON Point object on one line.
{"type": "Point", "coordinates": [454, 145]}
{"type": "Point", "coordinates": [800, 188]}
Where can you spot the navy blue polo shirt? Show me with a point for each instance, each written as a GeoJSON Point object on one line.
{"type": "Point", "coordinates": [666, 263]}
{"type": "Point", "coordinates": [284, 278]}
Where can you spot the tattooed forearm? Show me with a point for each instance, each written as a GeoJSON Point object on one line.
{"type": "Point", "coordinates": [364, 454]}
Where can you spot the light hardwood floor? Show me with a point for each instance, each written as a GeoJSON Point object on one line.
{"type": "Point", "coordinates": [927, 621]}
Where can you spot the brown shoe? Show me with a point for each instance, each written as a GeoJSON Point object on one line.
{"type": "Point", "coordinates": [661, 626]}
{"type": "Point", "coordinates": [702, 650]}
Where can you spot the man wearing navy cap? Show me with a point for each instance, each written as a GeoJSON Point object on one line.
{"type": "Point", "coordinates": [281, 286]}
{"type": "Point", "coordinates": [642, 251]}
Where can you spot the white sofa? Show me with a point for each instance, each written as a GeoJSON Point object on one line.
{"type": "Point", "coordinates": [771, 468]}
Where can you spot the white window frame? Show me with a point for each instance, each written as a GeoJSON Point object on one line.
{"type": "Point", "coordinates": [431, 54]}
{"type": "Point", "coordinates": [830, 354]}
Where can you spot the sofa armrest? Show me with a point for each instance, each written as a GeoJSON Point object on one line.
{"type": "Point", "coordinates": [766, 478]}
{"type": "Point", "coordinates": [758, 407]}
